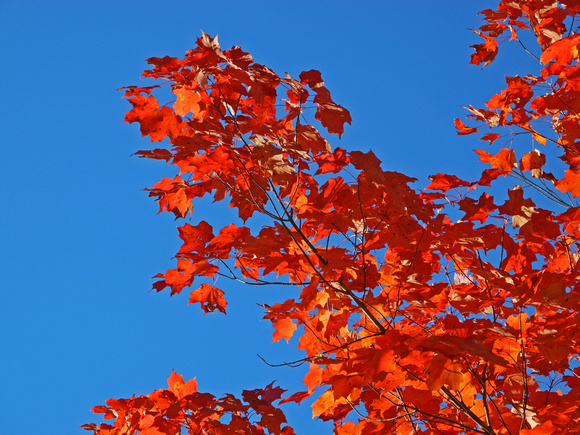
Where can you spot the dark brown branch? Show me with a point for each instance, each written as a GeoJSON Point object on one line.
{"type": "Point", "coordinates": [377, 419]}
{"type": "Point", "coordinates": [524, 370]}
{"type": "Point", "coordinates": [463, 408]}
{"type": "Point", "coordinates": [519, 175]}
{"type": "Point", "coordinates": [443, 420]}
{"type": "Point", "coordinates": [528, 51]}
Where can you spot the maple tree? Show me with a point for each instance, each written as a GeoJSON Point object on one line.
{"type": "Point", "coordinates": [435, 310]}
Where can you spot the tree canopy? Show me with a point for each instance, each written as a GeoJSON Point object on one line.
{"type": "Point", "coordinates": [436, 310]}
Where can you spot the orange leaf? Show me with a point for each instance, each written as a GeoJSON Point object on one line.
{"type": "Point", "coordinates": [172, 196]}
{"type": "Point", "coordinates": [347, 386]}
{"type": "Point", "coordinates": [484, 52]}
{"type": "Point", "coordinates": [505, 160]}
{"type": "Point", "coordinates": [323, 404]}
{"type": "Point", "coordinates": [156, 122]}
{"type": "Point", "coordinates": [570, 183]}
{"type": "Point", "coordinates": [285, 328]}
{"type": "Point", "coordinates": [455, 378]}
{"type": "Point", "coordinates": [490, 137]}
{"type": "Point", "coordinates": [444, 182]}
{"type": "Point", "coordinates": [180, 388]}
{"type": "Point", "coordinates": [210, 298]}
{"type": "Point", "coordinates": [562, 51]}
{"type": "Point", "coordinates": [436, 371]}
{"type": "Point", "coordinates": [332, 162]}
{"type": "Point", "coordinates": [477, 210]}
{"type": "Point", "coordinates": [518, 322]}
{"type": "Point", "coordinates": [463, 129]}
{"type": "Point", "coordinates": [546, 428]}
{"type": "Point", "coordinates": [313, 377]}
{"type": "Point", "coordinates": [533, 162]}
{"type": "Point", "coordinates": [177, 278]}
{"type": "Point", "coordinates": [296, 397]}
{"type": "Point", "coordinates": [189, 102]}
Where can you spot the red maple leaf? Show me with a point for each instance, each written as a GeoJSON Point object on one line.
{"type": "Point", "coordinates": [210, 298]}
{"type": "Point", "coordinates": [459, 125]}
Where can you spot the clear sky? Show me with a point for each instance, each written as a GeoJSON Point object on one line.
{"type": "Point", "coordinates": [81, 240]}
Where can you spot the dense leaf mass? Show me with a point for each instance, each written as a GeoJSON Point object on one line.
{"type": "Point", "coordinates": [444, 310]}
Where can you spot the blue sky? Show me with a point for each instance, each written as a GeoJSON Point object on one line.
{"type": "Point", "coordinates": [81, 240]}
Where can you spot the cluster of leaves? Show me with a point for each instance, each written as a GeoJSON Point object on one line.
{"type": "Point", "coordinates": [182, 406]}
{"type": "Point", "coordinates": [411, 321]}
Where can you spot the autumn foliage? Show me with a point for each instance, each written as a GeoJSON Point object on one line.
{"type": "Point", "coordinates": [441, 310]}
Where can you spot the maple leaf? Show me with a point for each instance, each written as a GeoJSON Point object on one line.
{"type": "Point", "coordinates": [459, 125]}
{"type": "Point", "coordinates": [562, 51]}
{"type": "Point", "coordinates": [332, 162]}
{"type": "Point", "coordinates": [490, 137]}
{"type": "Point", "coordinates": [513, 99]}
{"type": "Point", "coordinates": [443, 372]}
{"type": "Point", "coordinates": [310, 139]}
{"type": "Point", "coordinates": [285, 328]}
{"type": "Point", "coordinates": [505, 160]}
{"type": "Point", "coordinates": [157, 154]}
{"type": "Point", "coordinates": [189, 101]}
{"type": "Point", "coordinates": [369, 164]}
{"type": "Point", "coordinates": [164, 65]}
{"type": "Point", "coordinates": [571, 218]}
{"type": "Point", "coordinates": [545, 428]}
{"type": "Point", "coordinates": [520, 208]}
{"type": "Point", "coordinates": [488, 176]}
{"type": "Point", "coordinates": [156, 122]}
{"type": "Point", "coordinates": [477, 210]}
{"type": "Point", "coordinates": [323, 404]}
{"type": "Point", "coordinates": [484, 53]}
{"type": "Point", "coordinates": [195, 238]}
{"type": "Point", "coordinates": [488, 116]}
{"type": "Point", "coordinates": [180, 388]}
{"type": "Point", "coordinates": [180, 277]}
{"type": "Point", "coordinates": [312, 78]}
{"type": "Point", "coordinates": [570, 183]}
{"type": "Point", "coordinates": [137, 90]}
{"type": "Point", "coordinates": [313, 378]}
{"type": "Point", "coordinates": [533, 162]}
{"type": "Point", "coordinates": [172, 196]}
{"type": "Point", "coordinates": [331, 115]}
{"type": "Point", "coordinates": [444, 182]}
{"type": "Point", "coordinates": [210, 298]}
{"type": "Point", "coordinates": [271, 393]}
